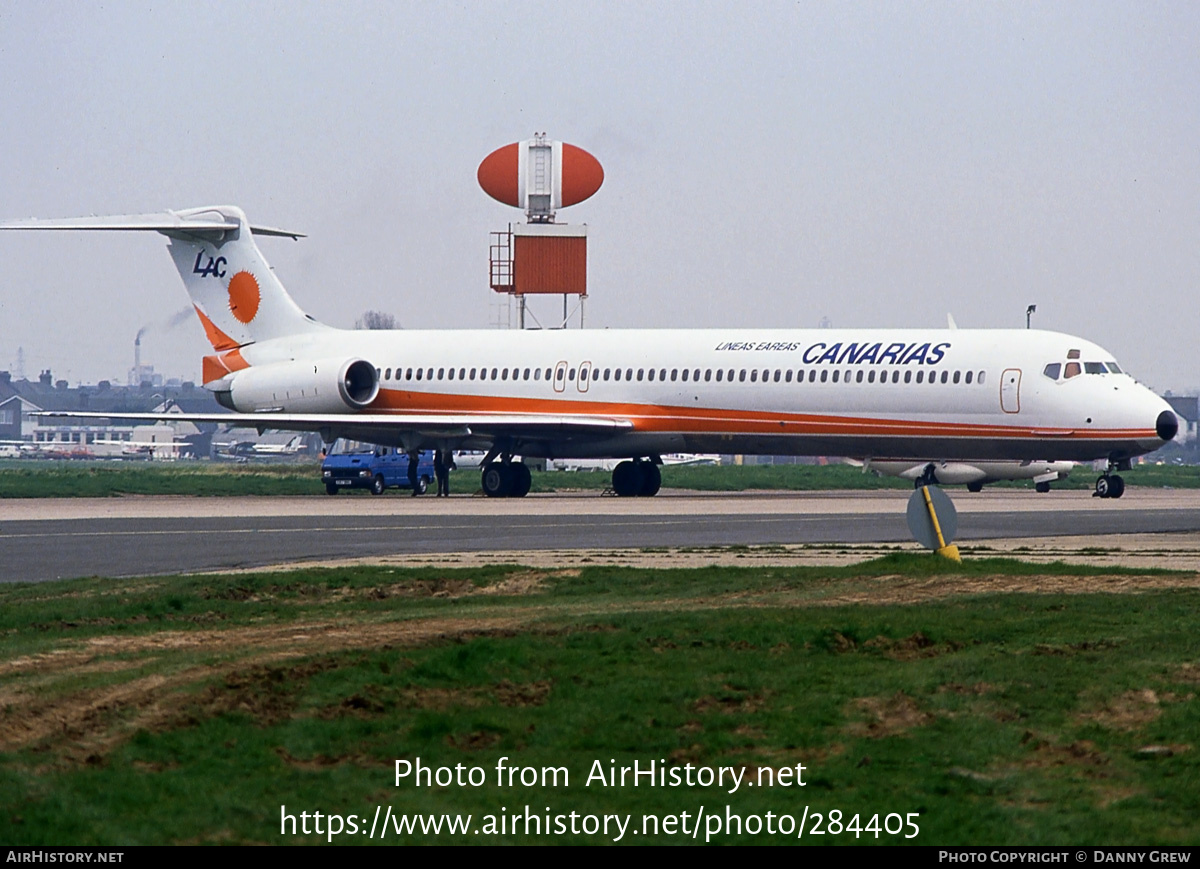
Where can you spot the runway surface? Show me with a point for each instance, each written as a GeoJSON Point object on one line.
{"type": "Point", "coordinates": [47, 539]}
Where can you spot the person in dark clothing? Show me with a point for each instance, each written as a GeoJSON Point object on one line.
{"type": "Point", "coordinates": [413, 458]}
{"type": "Point", "coordinates": [443, 464]}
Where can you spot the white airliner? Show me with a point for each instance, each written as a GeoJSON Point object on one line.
{"type": "Point", "coordinates": [637, 394]}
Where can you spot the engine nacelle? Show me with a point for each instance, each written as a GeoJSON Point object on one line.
{"type": "Point", "coordinates": [324, 386]}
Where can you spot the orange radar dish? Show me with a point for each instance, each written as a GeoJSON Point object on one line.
{"type": "Point", "coordinates": [500, 175]}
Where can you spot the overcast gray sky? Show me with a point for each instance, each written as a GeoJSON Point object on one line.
{"type": "Point", "coordinates": [767, 164]}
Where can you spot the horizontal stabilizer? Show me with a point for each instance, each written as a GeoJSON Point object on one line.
{"type": "Point", "coordinates": [195, 220]}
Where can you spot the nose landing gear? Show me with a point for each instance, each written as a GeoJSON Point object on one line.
{"type": "Point", "coordinates": [1111, 485]}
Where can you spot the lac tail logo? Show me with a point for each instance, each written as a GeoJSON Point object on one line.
{"type": "Point", "coordinates": [214, 268]}
{"type": "Point", "coordinates": [243, 296]}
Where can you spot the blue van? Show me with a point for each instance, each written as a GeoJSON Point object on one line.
{"type": "Point", "coordinates": [363, 466]}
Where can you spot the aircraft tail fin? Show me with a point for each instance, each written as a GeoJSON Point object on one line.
{"type": "Point", "coordinates": [233, 289]}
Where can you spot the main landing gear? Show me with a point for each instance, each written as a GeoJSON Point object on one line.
{"type": "Point", "coordinates": [1111, 485]}
{"type": "Point", "coordinates": [637, 478]}
{"type": "Point", "coordinates": [506, 479]}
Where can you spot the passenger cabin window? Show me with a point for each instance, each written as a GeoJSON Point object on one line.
{"type": "Point", "coordinates": [1052, 370]}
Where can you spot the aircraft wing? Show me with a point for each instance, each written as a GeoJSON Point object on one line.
{"type": "Point", "coordinates": [363, 424]}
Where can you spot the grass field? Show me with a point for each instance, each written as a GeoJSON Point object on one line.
{"type": "Point", "coordinates": [62, 479]}
{"type": "Point", "coordinates": [1002, 702]}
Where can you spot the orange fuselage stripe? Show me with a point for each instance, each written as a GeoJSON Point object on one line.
{"type": "Point", "coordinates": [660, 418]}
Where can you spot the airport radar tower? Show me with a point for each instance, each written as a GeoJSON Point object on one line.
{"type": "Point", "coordinates": [540, 256]}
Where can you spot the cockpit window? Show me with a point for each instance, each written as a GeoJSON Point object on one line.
{"type": "Point", "coordinates": [1073, 369]}
{"type": "Point", "coordinates": [1072, 354]}
{"type": "Point", "coordinates": [1113, 367]}
{"type": "Point", "coordinates": [1052, 370]}
{"type": "Point", "coordinates": [1095, 368]}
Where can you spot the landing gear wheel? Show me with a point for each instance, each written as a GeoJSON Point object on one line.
{"type": "Point", "coordinates": [521, 480]}
{"type": "Point", "coordinates": [377, 486]}
{"type": "Point", "coordinates": [331, 489]}
{"type": "Point", "coordinates": [974, 487]}
{"type": "Point", "coordinates": [1110, 486]}
{"type": "Point", "coordinates": [627, 479]}
{"type": "Point", "coordinates": [1043, 488]}
{"type": "Point", "coordinates": [651, 480]}
{"type": "Point", "coordinates": [496, 480]}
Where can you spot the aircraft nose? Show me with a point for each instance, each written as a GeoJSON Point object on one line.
{"type": "Point", "coordinates": [1166, 426]}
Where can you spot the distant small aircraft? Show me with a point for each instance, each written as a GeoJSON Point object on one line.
{"type": "Point", "coordinates": [974, 475]}
{"type": "Point", "coordinates": [254, 449]}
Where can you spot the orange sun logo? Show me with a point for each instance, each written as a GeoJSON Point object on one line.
{"type": "Point", "coordinates": [243, 296]}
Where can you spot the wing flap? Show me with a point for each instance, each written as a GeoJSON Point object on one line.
{"type": "Point", "coordinates": [433, 425]}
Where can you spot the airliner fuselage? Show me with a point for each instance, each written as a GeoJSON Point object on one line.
{"type": "Point", "coordinates": [961, 393]}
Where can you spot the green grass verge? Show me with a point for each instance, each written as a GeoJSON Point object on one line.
{"type": "Point", "coordinates": [47, 479]}
{"type": "Point", "coordinates": [1005, 703]}
{"type": "Point", "coordinates": [96, 479]}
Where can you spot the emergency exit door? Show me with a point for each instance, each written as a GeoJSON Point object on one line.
{"type": "Point", "coordinates": [1010, 390]}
